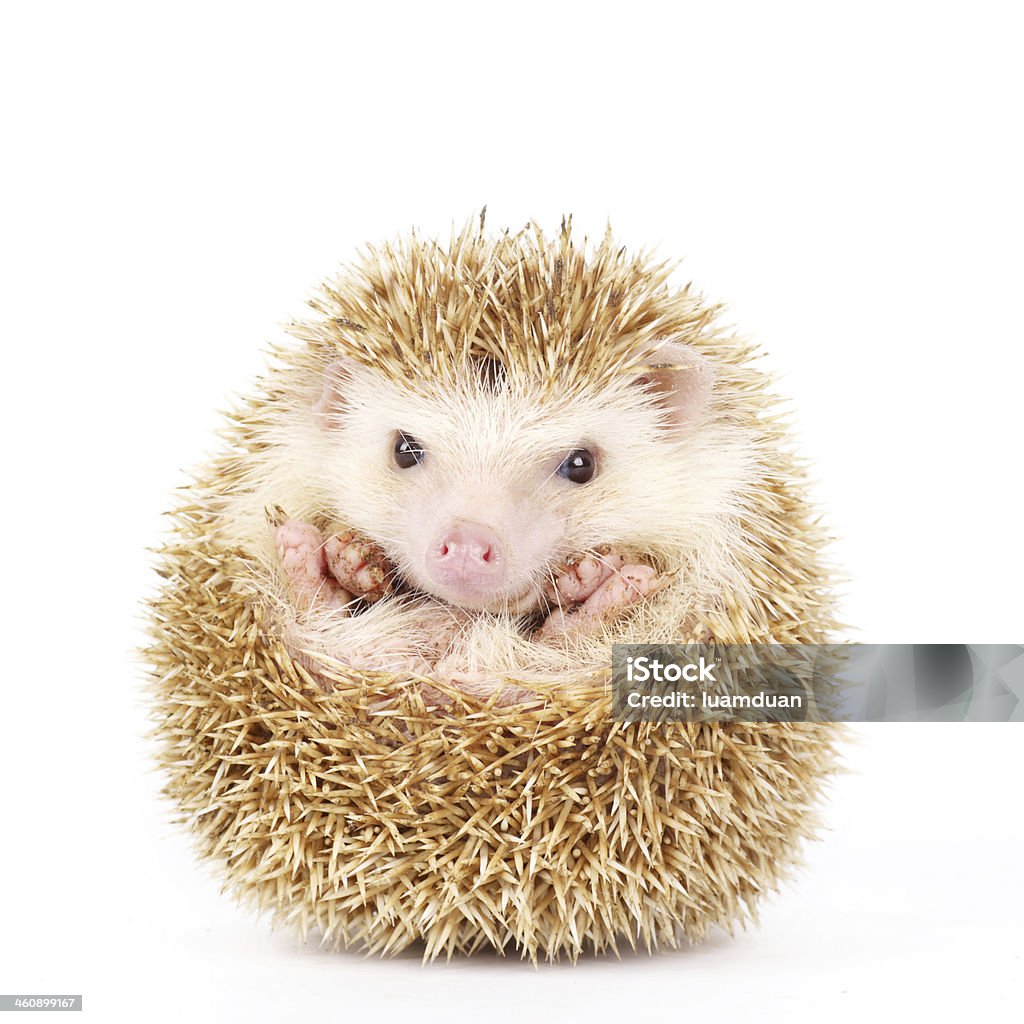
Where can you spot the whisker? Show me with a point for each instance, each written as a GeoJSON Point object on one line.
{"type": "Point", "coordinates": [536, 490]}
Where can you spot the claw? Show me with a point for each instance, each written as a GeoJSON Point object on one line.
{"type": "Point", "coordinates": [276, 516]}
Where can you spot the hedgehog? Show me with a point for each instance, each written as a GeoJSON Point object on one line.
{"type": "Point", "coordinates": [383, 655]}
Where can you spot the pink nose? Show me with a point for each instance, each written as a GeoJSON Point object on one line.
{"type": "Point", "coordinates": [467, 554]}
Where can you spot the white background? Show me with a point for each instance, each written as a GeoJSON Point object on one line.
{"type": "Point", "coordinates": [176, 179]}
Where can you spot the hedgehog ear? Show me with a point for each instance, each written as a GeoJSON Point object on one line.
{"type": "Point", "coordinates": [680, 379]}
{"type": "Point", "coordinates": [335, 379]}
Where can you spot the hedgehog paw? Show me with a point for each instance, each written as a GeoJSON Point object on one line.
{"type": "Point", "coordinates": [595, 590]}
{"type": "Point", "coordinates": [579, 576]}
{"type": "Point", "coordinates": [359, 565]}
{"type": "Point", "coordinates": [300, 549]}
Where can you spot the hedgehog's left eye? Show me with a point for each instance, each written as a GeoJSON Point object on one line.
{"type": "Point", "coordinates": [578, 466]}
{"type": "Point", "coordinates": [408, 451]}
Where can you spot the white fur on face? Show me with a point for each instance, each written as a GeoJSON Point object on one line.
{"type": "Point", "coordinates": [492, 458]}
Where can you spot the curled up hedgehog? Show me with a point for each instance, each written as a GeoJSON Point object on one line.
{"type": "Point", "coordinates": [383, 647]}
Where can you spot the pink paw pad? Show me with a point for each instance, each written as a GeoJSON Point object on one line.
{"type": "Point", "coordinates": [301, 551]}
{"type": "Point", "coordinates": [581, 576]}
{"type": "Point", "coordinates": [594, 589]}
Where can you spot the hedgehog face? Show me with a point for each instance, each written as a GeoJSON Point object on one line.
{"type": "Point", "coordinates": [476, 492]}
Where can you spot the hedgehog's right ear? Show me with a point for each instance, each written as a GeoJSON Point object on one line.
{"type": "Point", "coordinates": [337, 376]}
{"type": "Point", "coordinates": [680, 379]}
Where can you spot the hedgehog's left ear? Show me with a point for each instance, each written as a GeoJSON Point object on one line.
{"type": "Point", "coordinates": [680, 378]}
{"type": "Point", "coordinates": [337, 376]}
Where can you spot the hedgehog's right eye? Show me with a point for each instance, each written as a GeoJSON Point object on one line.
{"type": "Point", "coordinates": [408, 451]}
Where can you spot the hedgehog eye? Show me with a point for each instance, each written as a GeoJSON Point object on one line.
{"type": "Point", "coordinates": [578, 466]}
{"type": "Point", "coordinates": [408, 451]}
